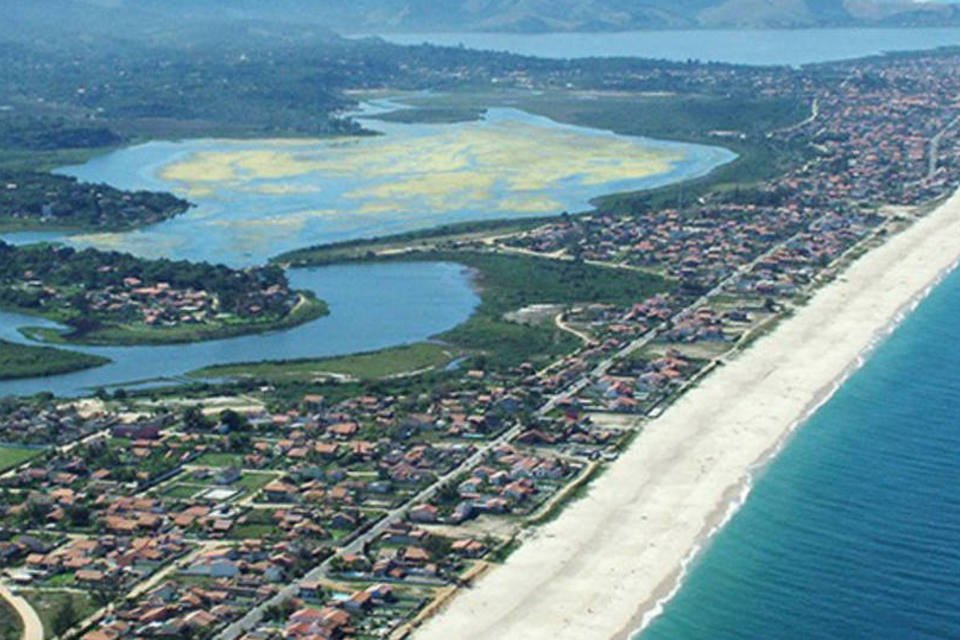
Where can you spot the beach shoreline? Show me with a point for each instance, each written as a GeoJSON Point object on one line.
{"type": "Point", "coordinates": [606, 567]}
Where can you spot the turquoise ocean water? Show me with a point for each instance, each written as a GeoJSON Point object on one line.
{"type": "Point", "coordinates": [854, 530]}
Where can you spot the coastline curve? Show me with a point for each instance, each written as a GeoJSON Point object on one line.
{"type": "Point", "coordinates": [681, 480]}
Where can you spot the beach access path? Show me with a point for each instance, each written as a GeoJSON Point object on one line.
{"type": "Point", "coordinates": [604, 566]}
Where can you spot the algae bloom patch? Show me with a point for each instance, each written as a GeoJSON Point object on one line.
{"type": "Point", "coordinates": [258, 198]}
{"type": "Point", "coordinates": [505, 165]}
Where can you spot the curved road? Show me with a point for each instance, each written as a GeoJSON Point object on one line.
{"type": "Point", "coordinates": [32, 627]}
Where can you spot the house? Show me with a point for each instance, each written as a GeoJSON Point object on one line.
{"type": "Point", "coordinates": [279, 491]}
{"type": "Point", "coordinates": [310, 590]}
{"type": "Point", "coordinates": [343, 430]}
{"type": "Point", "coordinates": [468, 548]}
{"type": "Point", "coordinates": [423, 513]}
{"type": "Point", "coordinates": [228, 475]}
{"type": "Point", "coordinates": [359, 601]}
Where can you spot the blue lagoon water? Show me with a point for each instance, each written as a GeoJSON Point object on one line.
{"type": "Point", "coordinates": [372, 307]}
{"type": "Point", "coordinates": [793, 47]}
{"type": "Point", "coordinates": [257, 198]}
{"type": "Point", "coordinates": [854, 530]}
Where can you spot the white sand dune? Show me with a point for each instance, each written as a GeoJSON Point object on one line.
{"type": "Point", "coordinates": [601, 568]}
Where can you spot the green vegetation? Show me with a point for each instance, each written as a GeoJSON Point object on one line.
{"type": "Point", "coordinates": [433, 115]}
{"type": "Point", "coordinates": [366, 366]}
{"type": "Point", "coordinates": [29, 199]}
{"type": "Point", "coordinates": [308, 310]}
{"type": "Point", "coordinates": [508, 283]}
{"type": "Point", "coordinates": [219, 460]}
{"type": "Point", "coordinates": [253, 482]}
{"type": "Point", "coordinates": [26, 361]}
{"type": "Point", "coordinates": [60, 610]}
{"type": "Point", "coordinates": [738, 122]}
{"type": "Point", "coordinates": [257, 523]}
{"type": "Point", "coordinates": [11, 457]}
{"type": "Point", "coordinates": [115, 298]}
{"type": "Point", "coordinates": [10, 626]}
{"type": "Point", "coordinates": [181, 491]}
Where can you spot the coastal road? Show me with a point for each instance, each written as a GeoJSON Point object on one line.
{"type": "Point", "coordinates": [32, 627]}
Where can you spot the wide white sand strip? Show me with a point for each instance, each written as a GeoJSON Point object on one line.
{"type": "Point", "coordinates": [603, 565]}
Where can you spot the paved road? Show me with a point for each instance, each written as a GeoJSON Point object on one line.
{"type": "Point", "coordinates": [32, 627]}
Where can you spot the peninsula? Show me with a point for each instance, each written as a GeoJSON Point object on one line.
{"type": "Point", "coordinates": [113, 298]}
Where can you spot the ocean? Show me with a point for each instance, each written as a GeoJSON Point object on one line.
{"type": "Point", "coordinates": [853, 531]}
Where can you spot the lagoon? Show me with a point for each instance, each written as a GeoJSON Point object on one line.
{"type": "Point", "coordinates": [793, 47]}
{"type": "Point", "coordinates": [255, 199]}
{"type": "Point", "coordinates": [372, 307]}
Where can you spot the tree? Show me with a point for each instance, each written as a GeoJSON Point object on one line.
{"type": "Point", "coordinates": [64, 616]}
{"type": "Point", "coordinates": [438, 546]}
{"type": "Point", "coordinates": [105, 592]}
{"type": "Point", "coordinates": [79, 515]}
{"type": "Point", "coordinates": [232, 420]}
{"type": "Point", "coordinates": [448, 493]}
{"type": "Point", "coordinates": [238, 443]}
{"type": "Point", "coordinates": [280, 612]}
{"type": "Point", "coordinates": [194, 420]}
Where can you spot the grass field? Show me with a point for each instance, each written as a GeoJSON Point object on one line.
{"type": "Point", "coordinates": [510, 282]}
{"type": "Point", "coordinates": [253, 482]}
{"type": "Point", "coordinates": [50, 605]}
{"type": "Point", "coordinates": [219, 460]}
{"type": "Point", "coordinates": [11, 457]}
{"type": "Point", "coordinates": [180, 491]}
{"type": "Point", "coordinates": [27, 361]}
{"type": "Point", "coordinates": [365, 366]}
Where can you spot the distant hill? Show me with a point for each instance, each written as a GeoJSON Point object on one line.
{"type": "Point", "coordinates": [577, 15]}
{"type": "Point", "coordinates": [353, 16]}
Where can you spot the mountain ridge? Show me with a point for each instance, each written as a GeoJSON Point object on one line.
{"type": "Point", "coordinates": [587, 15]}
{"type": "Point", "coordinates": [526, 16]}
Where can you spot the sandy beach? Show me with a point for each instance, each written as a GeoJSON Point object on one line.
{"type": "Point", "coordinates": [602, 568]}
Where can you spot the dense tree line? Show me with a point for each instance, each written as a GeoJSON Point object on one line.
{"type": "Point", "coordinates": [19, 131]}
{"type": "Point", "coordinates": [68, 268]}
{"type": "Point", "coordinates": [31, 196]}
